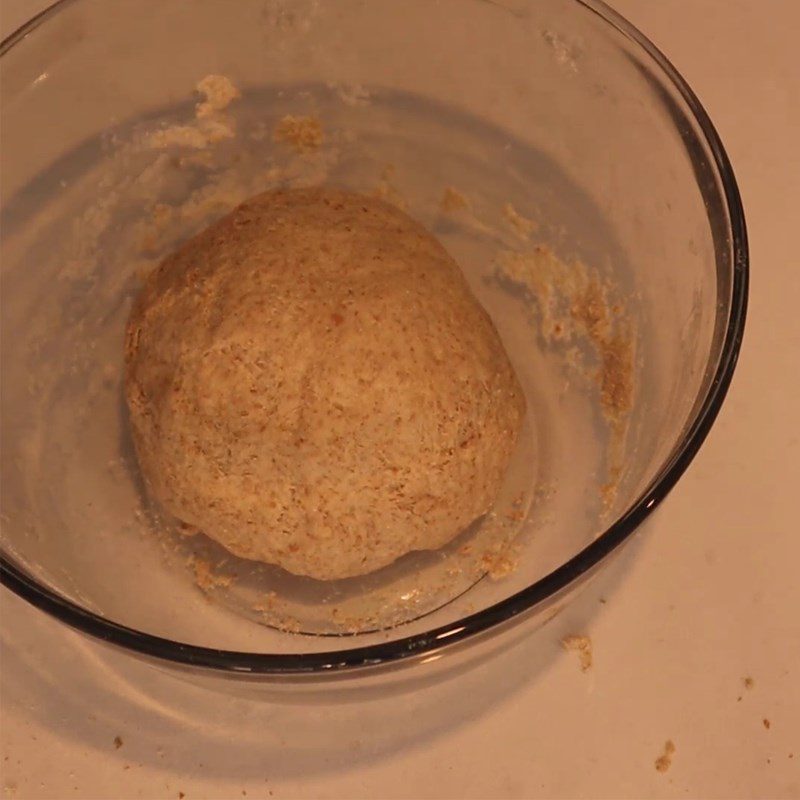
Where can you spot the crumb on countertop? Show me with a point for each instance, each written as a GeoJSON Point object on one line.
{"type": "Point", "coordinates": [664, 761]}
{"type": "Point", "coordinates": [767, 724]}
{"type": "Point", "coordinates": [582, 645]}
{"type": "Point", "coordinates": [118, 742]}
{"type": "Point", "coordinates": [303, 134]}
{"type": "Point", "coordinates": [748, 682]}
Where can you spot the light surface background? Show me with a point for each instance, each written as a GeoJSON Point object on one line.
{"type": "Point", "coordinates": [708, 594]}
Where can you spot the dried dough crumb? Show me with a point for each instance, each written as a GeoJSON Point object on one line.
{"type": "Point", "coordinates": [608, 490]}
{"type": "Point", "coordinates": [767, 723]}
{"type": "Point", "coordinates": [206, 578]}
{"type": "Point", "coordinates": [452, 201]}
{"type": "Point", "coordinates": [499, 564]}
{"type": "Point", "coordinates": [522, 226]}
{"type": "Point", "coordinates": [748, 682]}
{"type": "Point", "coordinates": [616, 376]}
{"type": "Point", "coordinates": [179, 136]}
{"type": "Point", "coordinates": [266, 605]}
{"type": "Point", "coordinates": [351, 94]}
{"type": "Point", "coordinates": [664, 762]}
{"type": "Point", "coordinates": [215, 130]}
{"type": "Point", "coordinates": [303, 134]}
{"type": "Point", "coordinates": [197, 138]}
{"type": "Point", "coordinates": [582, 645]}
{"type": "Point", "coordinates": [385, 190]}
{"type": "Point", "coordinates": [219, 93]}
{"type": "Point", "coordinates": [117, 742]}
{"type": "Point", "coordinates": [211, 126]}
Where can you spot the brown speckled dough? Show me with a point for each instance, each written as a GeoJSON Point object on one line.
{"type": "Point", "coordinates": [312, 384]}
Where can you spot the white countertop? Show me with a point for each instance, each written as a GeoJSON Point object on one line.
{"type": "Point", "coordinates": [707, 595]}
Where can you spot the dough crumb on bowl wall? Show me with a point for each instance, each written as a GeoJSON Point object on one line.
{"type": "Point", "coordinates": [302, 134]}
{"type": "Point", "coordinates": [577, 306]}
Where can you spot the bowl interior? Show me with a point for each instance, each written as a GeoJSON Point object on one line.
{"type": "Point", "coordinates": [537, 141]}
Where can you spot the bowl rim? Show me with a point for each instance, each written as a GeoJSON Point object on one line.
{"type": "Point", "coordinates": [411, 648]}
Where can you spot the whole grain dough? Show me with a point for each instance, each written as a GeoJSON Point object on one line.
{"type": "Point", "coordinates": [312, 384]}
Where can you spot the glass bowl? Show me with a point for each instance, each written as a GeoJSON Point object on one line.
{"type": "Point", "coordinates": [548, 144]}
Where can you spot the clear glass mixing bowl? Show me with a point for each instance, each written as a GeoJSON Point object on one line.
{"type": "Point", "coordinates": [554, 151]}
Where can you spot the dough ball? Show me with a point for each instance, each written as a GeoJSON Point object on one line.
{"type": "Point", "coordinates": [312, 384]}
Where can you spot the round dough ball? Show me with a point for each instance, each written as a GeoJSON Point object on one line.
{"type": "Point", "coordinates": [312, 384]}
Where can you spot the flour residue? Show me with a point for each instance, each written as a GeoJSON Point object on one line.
{"type": "Point", "coordinates": [576, 308]}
